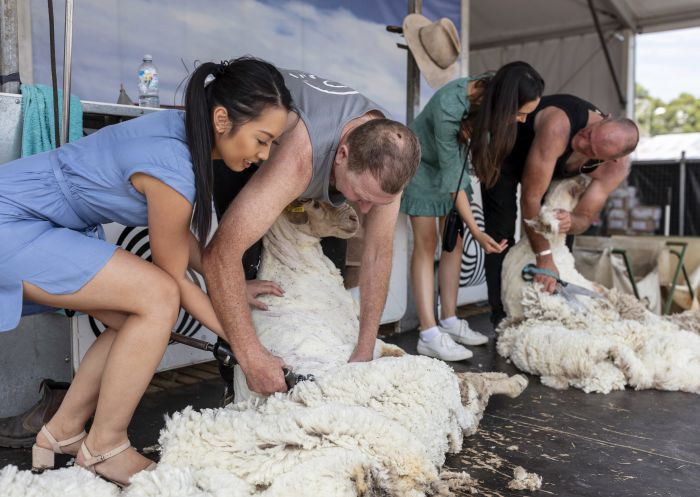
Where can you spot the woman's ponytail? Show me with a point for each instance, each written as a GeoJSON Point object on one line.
{"type": "Point", "coordinates": [198, 124]}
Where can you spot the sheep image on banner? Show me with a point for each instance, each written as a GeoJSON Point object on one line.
{"type": "Point", "coordinates": [617, 342]}
{"type": "Point", "coordinates": [379, 428]}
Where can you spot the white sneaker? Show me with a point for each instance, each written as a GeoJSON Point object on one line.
{"type": "Point", "coordinates": [444, 348]}
{"type": "Point", "coordinates": [462, 333]}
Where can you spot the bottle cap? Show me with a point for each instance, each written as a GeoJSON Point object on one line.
{"type": "Point", "coordinates": [147, 58]}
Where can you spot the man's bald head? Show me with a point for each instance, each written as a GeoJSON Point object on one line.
{"type": "Point", "coordinates": [607, 139]}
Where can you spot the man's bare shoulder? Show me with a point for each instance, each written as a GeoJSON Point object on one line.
{"type": "Point", "coordinates": [293, 151]}
{"type": "Point", "coordinates": [552, 121]}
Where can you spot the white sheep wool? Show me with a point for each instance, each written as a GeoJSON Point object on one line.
{"type": "Point", "coordinates": [314, 326]}
{"type": "Point", "coordinates": [379, 428]}
{"type": "Point", "coordinates": [614, 342]}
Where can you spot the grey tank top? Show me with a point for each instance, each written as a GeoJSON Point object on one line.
{"type": "Point", "coordinates": [325, 106]}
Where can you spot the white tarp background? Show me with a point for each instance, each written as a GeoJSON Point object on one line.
{"type": "Point", "coordinates": [574, 65]}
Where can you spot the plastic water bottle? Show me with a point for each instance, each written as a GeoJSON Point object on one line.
{"type": "Point", "coordinates": [148, 83]}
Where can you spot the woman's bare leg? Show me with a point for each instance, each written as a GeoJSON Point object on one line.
{"type": "Point", "coordinates": [150, 297]}
{"type": "Point", "coordinates": [448, 277]}
{"type": "Point", "coordinates": [423, 268]}
{"type": "Point", "coordinates": [80, 401]}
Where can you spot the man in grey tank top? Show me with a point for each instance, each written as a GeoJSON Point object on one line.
{"type": "Point", "coordinates": [338, 146]}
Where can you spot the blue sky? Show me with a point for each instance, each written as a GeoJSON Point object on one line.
{"type": "Point", "coordinates": [668, 63]}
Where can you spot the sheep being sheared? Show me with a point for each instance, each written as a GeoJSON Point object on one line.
{"type": "Point", "coordinates": [562, 195]}
{"type": "Point", "coordinates": [361, 429]}
{"type": "Point", "coordinates": [617, 342]}
{"type": "Point", "coordinates": [314, 326]}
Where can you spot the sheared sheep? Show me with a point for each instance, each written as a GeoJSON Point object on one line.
{"type": "Point", "coordinates": [361, 429]}
{"type": "Point", "coordinates": [617, 343]}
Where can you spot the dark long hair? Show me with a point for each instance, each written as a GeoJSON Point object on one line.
{"type": "Point", "coordinates": [245, 87]}
{"type": "Point", "coordinates": [491, 124]}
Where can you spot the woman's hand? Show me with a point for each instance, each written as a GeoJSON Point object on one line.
{"type": "Point", "coordinates": [255, 288]}
{"type": "Point", "coordinates": [489, 244]}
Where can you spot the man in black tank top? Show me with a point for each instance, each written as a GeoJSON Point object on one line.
{"type": "Point", "coordinates": [564, 137]}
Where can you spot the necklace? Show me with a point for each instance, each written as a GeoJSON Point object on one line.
{"type": "Point", "coordinates": [590, 166]}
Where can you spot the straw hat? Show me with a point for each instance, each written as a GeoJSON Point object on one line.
{"type": "Point", "coordinates": [434, 45]}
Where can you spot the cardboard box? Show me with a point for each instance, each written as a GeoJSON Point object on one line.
{"type": "Point", "coordinates": [654, 212]}
{"type": "Point", "coordinates": [616, 203]}
{"type": "Point", "coordinates": [643, 225]}
{"type": "Point", "coordinates": [648, 213]}
{"type": "Point", "coordinates": [617, 224]}
{"type": "Point", "coordinates": [624, 192]}
{"type": "Point", "coordinates": [618, 214]}
{"type": "Point", "coordinates": [630, 202]}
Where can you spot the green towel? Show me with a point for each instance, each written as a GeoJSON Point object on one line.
{"type": "Point", "coordinates": [38, 124]}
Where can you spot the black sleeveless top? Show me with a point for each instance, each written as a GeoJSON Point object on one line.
{"type": "Point", "coordinates": [576, 110]}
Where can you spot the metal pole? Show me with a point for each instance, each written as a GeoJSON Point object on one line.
{"type": "Point", "coordinates": [606, 52]}
{"type": "Point", "coordinates": [67, 55]}
{"type": "Point", "coordinates": [464, 31]}
{"type": "Point", "coordinates": [412, 72]}
{"type": "Point", "coordinates": [629, 61]}
{"type": "Point", "coordinates": [681, 195]}
{"type": "Point", "coordinates": [9, 60]}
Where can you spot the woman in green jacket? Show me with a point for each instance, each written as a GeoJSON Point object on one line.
{"type": "Point", "coordinates": [481, 113]}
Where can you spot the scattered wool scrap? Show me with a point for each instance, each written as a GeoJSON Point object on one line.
{"type": "Point", "coordinates": [522, 480]}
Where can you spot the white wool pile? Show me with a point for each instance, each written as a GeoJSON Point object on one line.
{"type": "Point", "coordinates": [389, 422]}
{"type": "Point", "coordinates": [370, 429]}
{"type": "Point", "coordinates": [601, 350]}
{"type": "Point", "coordinates": [73, 482]}
{"type": "Point", "coordinates": [616, 342]}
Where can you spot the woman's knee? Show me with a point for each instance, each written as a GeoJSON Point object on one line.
{"type": "Point", "coordinates": [425, 242]}
{"type": "Point", "coordinates": [163, 299]}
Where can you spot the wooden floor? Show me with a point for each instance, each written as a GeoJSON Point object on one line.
{"type": "Point", "coordinates": [624, 444]}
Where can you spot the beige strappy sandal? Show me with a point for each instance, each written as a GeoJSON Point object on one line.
{"type": "Point", "coordinates": [43, 458]}
{"type": "Point", "coordinates": [91, 461]}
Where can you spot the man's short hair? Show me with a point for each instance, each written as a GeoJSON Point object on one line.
{"type": "Point", "coordinates": [387, 149]}
{"type": "Point", "coordinates": [631, 132]}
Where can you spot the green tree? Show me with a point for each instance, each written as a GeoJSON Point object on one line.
{"type": "Point", "coordinates": [655, 117]}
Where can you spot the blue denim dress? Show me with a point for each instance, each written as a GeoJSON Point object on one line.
{"type": "Point", "coordinates": [52, 204]}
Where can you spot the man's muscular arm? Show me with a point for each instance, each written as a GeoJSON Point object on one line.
{"type": "Point", "coordinates": [380, 223]}
{"type": "Point", "coordinates": [279, 181]}
{"type": "Point", "coordinates": [551, 139]}
{"type": "Point", "coordinates": [606, 178]}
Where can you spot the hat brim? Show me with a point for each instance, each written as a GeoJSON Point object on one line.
{"type": "Point", "coordinates": [435, 75]}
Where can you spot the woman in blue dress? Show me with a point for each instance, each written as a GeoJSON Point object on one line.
{"type": "Point", "coordinates": [156, 171]}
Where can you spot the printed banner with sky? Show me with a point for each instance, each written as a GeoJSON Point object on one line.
{"type": "Point", "coordinates": [344, 40]}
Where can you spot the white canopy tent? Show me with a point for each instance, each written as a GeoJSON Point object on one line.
{"type": "Point", "coordinates": [559, 38]}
